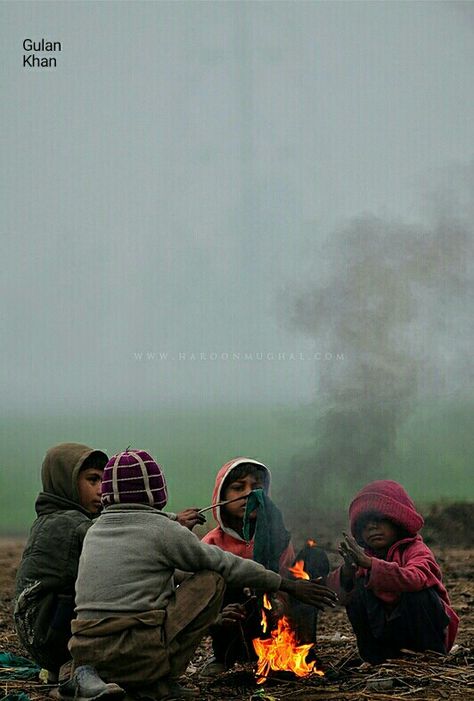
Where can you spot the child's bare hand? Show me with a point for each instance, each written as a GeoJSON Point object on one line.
{"type": "Point", "coordinates": [353, 551]}
{"type": "Point", "coordinates": [232, 614]}
{"type": "Point", "coordinates": [350, 565]}
{"type": "Point", "coordinates": [190, 518]}
{"type": "Point", "coordinates": [309, 592]}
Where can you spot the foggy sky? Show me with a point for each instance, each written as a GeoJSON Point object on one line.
{"type": "Point", "coordinates": [168, 187]}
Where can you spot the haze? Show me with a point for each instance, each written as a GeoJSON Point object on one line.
{"type": "Point", "coordinates": [167, 185]}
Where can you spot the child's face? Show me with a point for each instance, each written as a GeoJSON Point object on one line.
{"type": "Point", "coordinates": [240, 488]}
{"type": "Point", "coordinates": [89, 484]}
{"type": "Point", "coordinates": [379, 534]}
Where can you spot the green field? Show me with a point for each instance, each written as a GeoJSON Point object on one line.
{"type": "Point", "coordinates": [433, 457]}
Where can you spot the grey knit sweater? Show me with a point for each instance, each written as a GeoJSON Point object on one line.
{"type": "Point", "coordinates": [129, 557]}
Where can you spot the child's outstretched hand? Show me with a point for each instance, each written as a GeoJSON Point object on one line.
{"type": "Point", "coordinates": [351, 551]}
{"type": "Point", "coordinates": [190, 518]}
{"type": "Point", "coordinates": [350, 565]}
{"type": "Point", "coordinates": [309, 592]}
{"type": "Point", "coordinates": [232, 614]}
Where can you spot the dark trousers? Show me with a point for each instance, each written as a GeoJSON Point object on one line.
{"type": "Point", "coordinates": [418, 622]}
{"type": "Point", "coordinates": [43, 625]}
{"type": "Point", "coordinates": [232, 644]}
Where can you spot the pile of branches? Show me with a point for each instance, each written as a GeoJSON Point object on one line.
{"type": "Point", "coordinates": [415, 676]}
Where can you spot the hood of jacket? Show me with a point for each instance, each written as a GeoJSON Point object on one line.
{"type": "Point", "coordinates": [220, 479]}
{"type": "Point", "coordinates": [60, 470]}
{"type": "Point", "coordinates": [390, 500]}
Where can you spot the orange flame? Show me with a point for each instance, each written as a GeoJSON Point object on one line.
{"type": "Point", "coordinates": [298, 570]}
{"type": "Point", "coordinates": [281, 652]}
{"type": "Point", "coordinates": [263, 621]}
{"type": "Point", "coordinates": [266, 605]}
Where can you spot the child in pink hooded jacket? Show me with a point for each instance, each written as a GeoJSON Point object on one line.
{"type": "Point", "coordinates": [238, 477]}
{"type": "Point", "coordinates": [390, 581]}
{"type": "Point", "coordinates": [240, 618]}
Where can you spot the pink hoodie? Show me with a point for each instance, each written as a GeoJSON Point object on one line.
{"type": "Point", "coordinates": [409, 565]}
{"type": "Point", "coordinates": [228, 539]}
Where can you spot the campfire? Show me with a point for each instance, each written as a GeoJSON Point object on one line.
{"type": "Point", "coordinates": [282, 652]}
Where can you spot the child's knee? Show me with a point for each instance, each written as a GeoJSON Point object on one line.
{"type": "Point", "coordinates": [210, 578]}
{"type": "Point", "coordinates": [426, 599]}
{"type": "Point", "coordinates": [207, 584]}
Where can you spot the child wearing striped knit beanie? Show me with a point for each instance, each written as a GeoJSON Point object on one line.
{"type": "Point", "coordinates": [133, 624]}
{"type": "Point", "coordinates": [133, 477]}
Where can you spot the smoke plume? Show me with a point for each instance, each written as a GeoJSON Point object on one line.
{"type": "Point", "coordinates": [395, 300]}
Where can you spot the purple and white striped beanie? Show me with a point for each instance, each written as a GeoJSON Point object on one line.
{"type": "Point", "coordinates": [133, 477]}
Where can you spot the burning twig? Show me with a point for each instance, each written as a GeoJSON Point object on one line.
{"type": "Point", "coordinates": [222, 503]}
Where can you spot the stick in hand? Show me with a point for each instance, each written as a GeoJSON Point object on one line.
{"type": "Point", "coordinates": [222, 503]}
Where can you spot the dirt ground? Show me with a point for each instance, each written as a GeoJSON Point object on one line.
{"type": "Point", "coordinates": [415, 676]}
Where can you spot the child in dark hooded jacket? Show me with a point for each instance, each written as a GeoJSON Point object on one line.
{"type": "Point", "coordinates": [390, 581]}
{"type": "Point", "coordinates": [71, 476]}
{"type": "Point", "coordinates": [259, 534]}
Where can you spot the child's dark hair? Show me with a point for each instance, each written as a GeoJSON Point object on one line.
{"type": "Point", "coordinates": [95, 460]}
{"type": "Point", "coordinates": [376, 516]}
{"type": "Point", "coordinates": [243, 470]}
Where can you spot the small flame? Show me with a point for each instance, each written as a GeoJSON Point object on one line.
{"type": "Point", "coordinates": [266, 605]}
{"type": "Point", "coordinates": [281, 652]}
{"type": "Point", "coordinates": [298, 570]}
{"type": "Point", "coordinates": [311, 543]}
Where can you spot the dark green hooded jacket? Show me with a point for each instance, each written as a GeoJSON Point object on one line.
{"type": "Point", "coordinates": [47, 573]}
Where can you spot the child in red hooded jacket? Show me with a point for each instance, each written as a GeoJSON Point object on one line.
{"type": "Point", "coordinates": [390, 581]}
{"type": "Point", "coordinates": [240, 618]}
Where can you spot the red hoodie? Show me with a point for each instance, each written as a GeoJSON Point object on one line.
{"type": "Point", "coordinates": [228, 539]}
{"type": "Point", "coordinates": [409, 565]}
